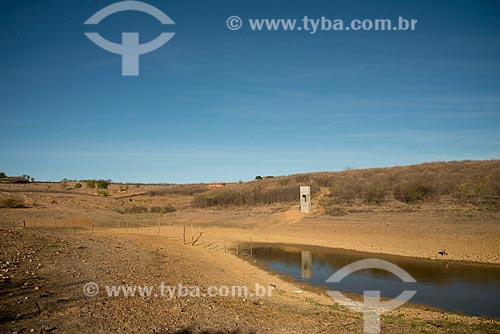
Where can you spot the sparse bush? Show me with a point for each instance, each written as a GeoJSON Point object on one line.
{"type": "Point", "coordinates": [375, 194]}
{"type": "Point", "coordinates": [2, 175]}
{"type": "Point", "coordinates": [181, 189]}
{"type": "Point", "coordinates": [476, 182]}
{"type": "Point", "coordinates": [162, 209]}
{"type": "Point", "coordinates": [284, 181]}
{"type": "Point", "coordinates": [346, 193]}
{"type": "Point", "coordinates": [484, 190]}
{"type": "Point", "coordinates": [258, 177]}
{"type": "Point", "coordinates": [142, 209]}
{"type": "Point", "coordinates": [246, 195]}
{"type": "Point", "coordinates": [414, 192]}
{"type": "Point", "coordinates": [103, 193]}
{"type": "Point", "coordinates": [12, 203]}
{"type": "Point", "coordinates": [301, 178]}
{"type": "Point", "coordinates": [103, 184]}
{"type": "Point", "coordinates": [99, 184]}
{"type": "Point", "coordinates": [90, 184]}
{"type": "Point", "coordinates": [133, 210]}
{"type": "Point", "coordinates": [335, 211]}
{"type": "Point", "coordinates": [322, 181]}
{"type": "Point", "coordinates": [78, 186]}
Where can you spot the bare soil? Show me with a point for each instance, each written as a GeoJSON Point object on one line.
{"type": "Point", "coordinates": [64, 239]}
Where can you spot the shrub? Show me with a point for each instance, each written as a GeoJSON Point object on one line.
{"type": "Point", "coordinates": [78, 186]}
{"type": "Point", "coordinates": [2, 175]}
{"type": "Point", "coordinates": [301, 178]}
{"type": "Point", "coordinates": [284, 181]}
{"type": "Point", "coordinates": [246, 195]}
{"type": "Point", "coordinates": [102, 184]}
{"type": "Point", "coordinates": [335, 211]}
{"type": "Point", "coordinates": [162, 209]}
{"type": "Point", "coordinates": [134, 209]}
{"type": "Point", "coordinates": [90, 184]}
{"type": "Point", "coordinates": [346, 193]}
{"type": "Point", "coordinates": [484, 190]}
{"type": "Point", "coordinates": [103, 193]}
{"type": "Point", "coordinates": [181, 189]}
{"type": "Point", "coordinates": [258, 177]}
{"type": "Point", "coordinates": [12, 203]}
{"type": "Point", "coordinates": [375, 194]}
{"type": "Point", "coordinates": [413, 192]}
{"type": "Point", "coordinates": [142, 209]}
{"type": "Point", "coordinates": [464, 181]}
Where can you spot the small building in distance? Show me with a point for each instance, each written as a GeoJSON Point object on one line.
{"type": "Point", "coordinates": [216, 185]}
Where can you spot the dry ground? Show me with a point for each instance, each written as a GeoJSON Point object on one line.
{"type": "Point", "coordinates": [46, 263]}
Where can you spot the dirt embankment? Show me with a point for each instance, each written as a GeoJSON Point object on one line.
{"type": "Point", "coordinates": [44, 272]}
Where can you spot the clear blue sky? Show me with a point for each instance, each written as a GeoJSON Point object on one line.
{"type": "Point", "coordinates": [215, 104]}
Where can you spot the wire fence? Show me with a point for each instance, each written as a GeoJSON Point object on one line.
{"type": "Point", "coordinates": [188, 233]}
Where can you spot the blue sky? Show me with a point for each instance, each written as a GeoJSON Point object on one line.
{"type": "Point", "coordinates": [214, 104]}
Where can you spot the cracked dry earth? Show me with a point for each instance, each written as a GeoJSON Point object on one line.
{"type": "Point", "coordinates": [43, 273]}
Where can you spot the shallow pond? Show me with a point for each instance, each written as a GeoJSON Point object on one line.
{"type": "Point", "coordinates": [465, 288]}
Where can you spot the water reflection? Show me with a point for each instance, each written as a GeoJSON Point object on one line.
{"type": "Point", "coordinates": [467, 288]}
{"type": "Point", "coordinates": [306, 261]}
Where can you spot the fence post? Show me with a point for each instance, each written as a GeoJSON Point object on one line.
{"type": "Point", "coordinates": [184, 234]}
{"type": "Point", "coordinates": [199, 236]}
{"type": "Point", "coordinates": [225, 248]}
{"type": "Point", "coordinates": [251, 247]}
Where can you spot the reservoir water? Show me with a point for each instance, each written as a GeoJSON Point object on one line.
{"type": "Point", "coordinates": [458, 287]}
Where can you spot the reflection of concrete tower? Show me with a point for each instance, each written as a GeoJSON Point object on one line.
{"type": "Point", "coordinates": [305, 199]}
{"type": "Point", "coordinates": [306, 257]}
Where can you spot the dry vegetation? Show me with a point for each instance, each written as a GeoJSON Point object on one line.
{"type": "Point", "coordinates": [474, 182]}
{"type": "Point", "coordinates": [180, 189]}
{"type": "Point", "coordinates": [142, 209]}
{"type": "Point", "coordinates": [76, 234]}
{"type": "Point", "coordinates": [12, 203]}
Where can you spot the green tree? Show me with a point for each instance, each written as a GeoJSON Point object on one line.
{"type": "Point", "coordinates": [103, 184]}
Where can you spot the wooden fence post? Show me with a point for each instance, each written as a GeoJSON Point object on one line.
{"type": "Point", "coordinates": [251, 247]}
{"type": "Point", "coordinates": [199, 236]}
{"type": "Point", "coordinates": [184, 234]}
